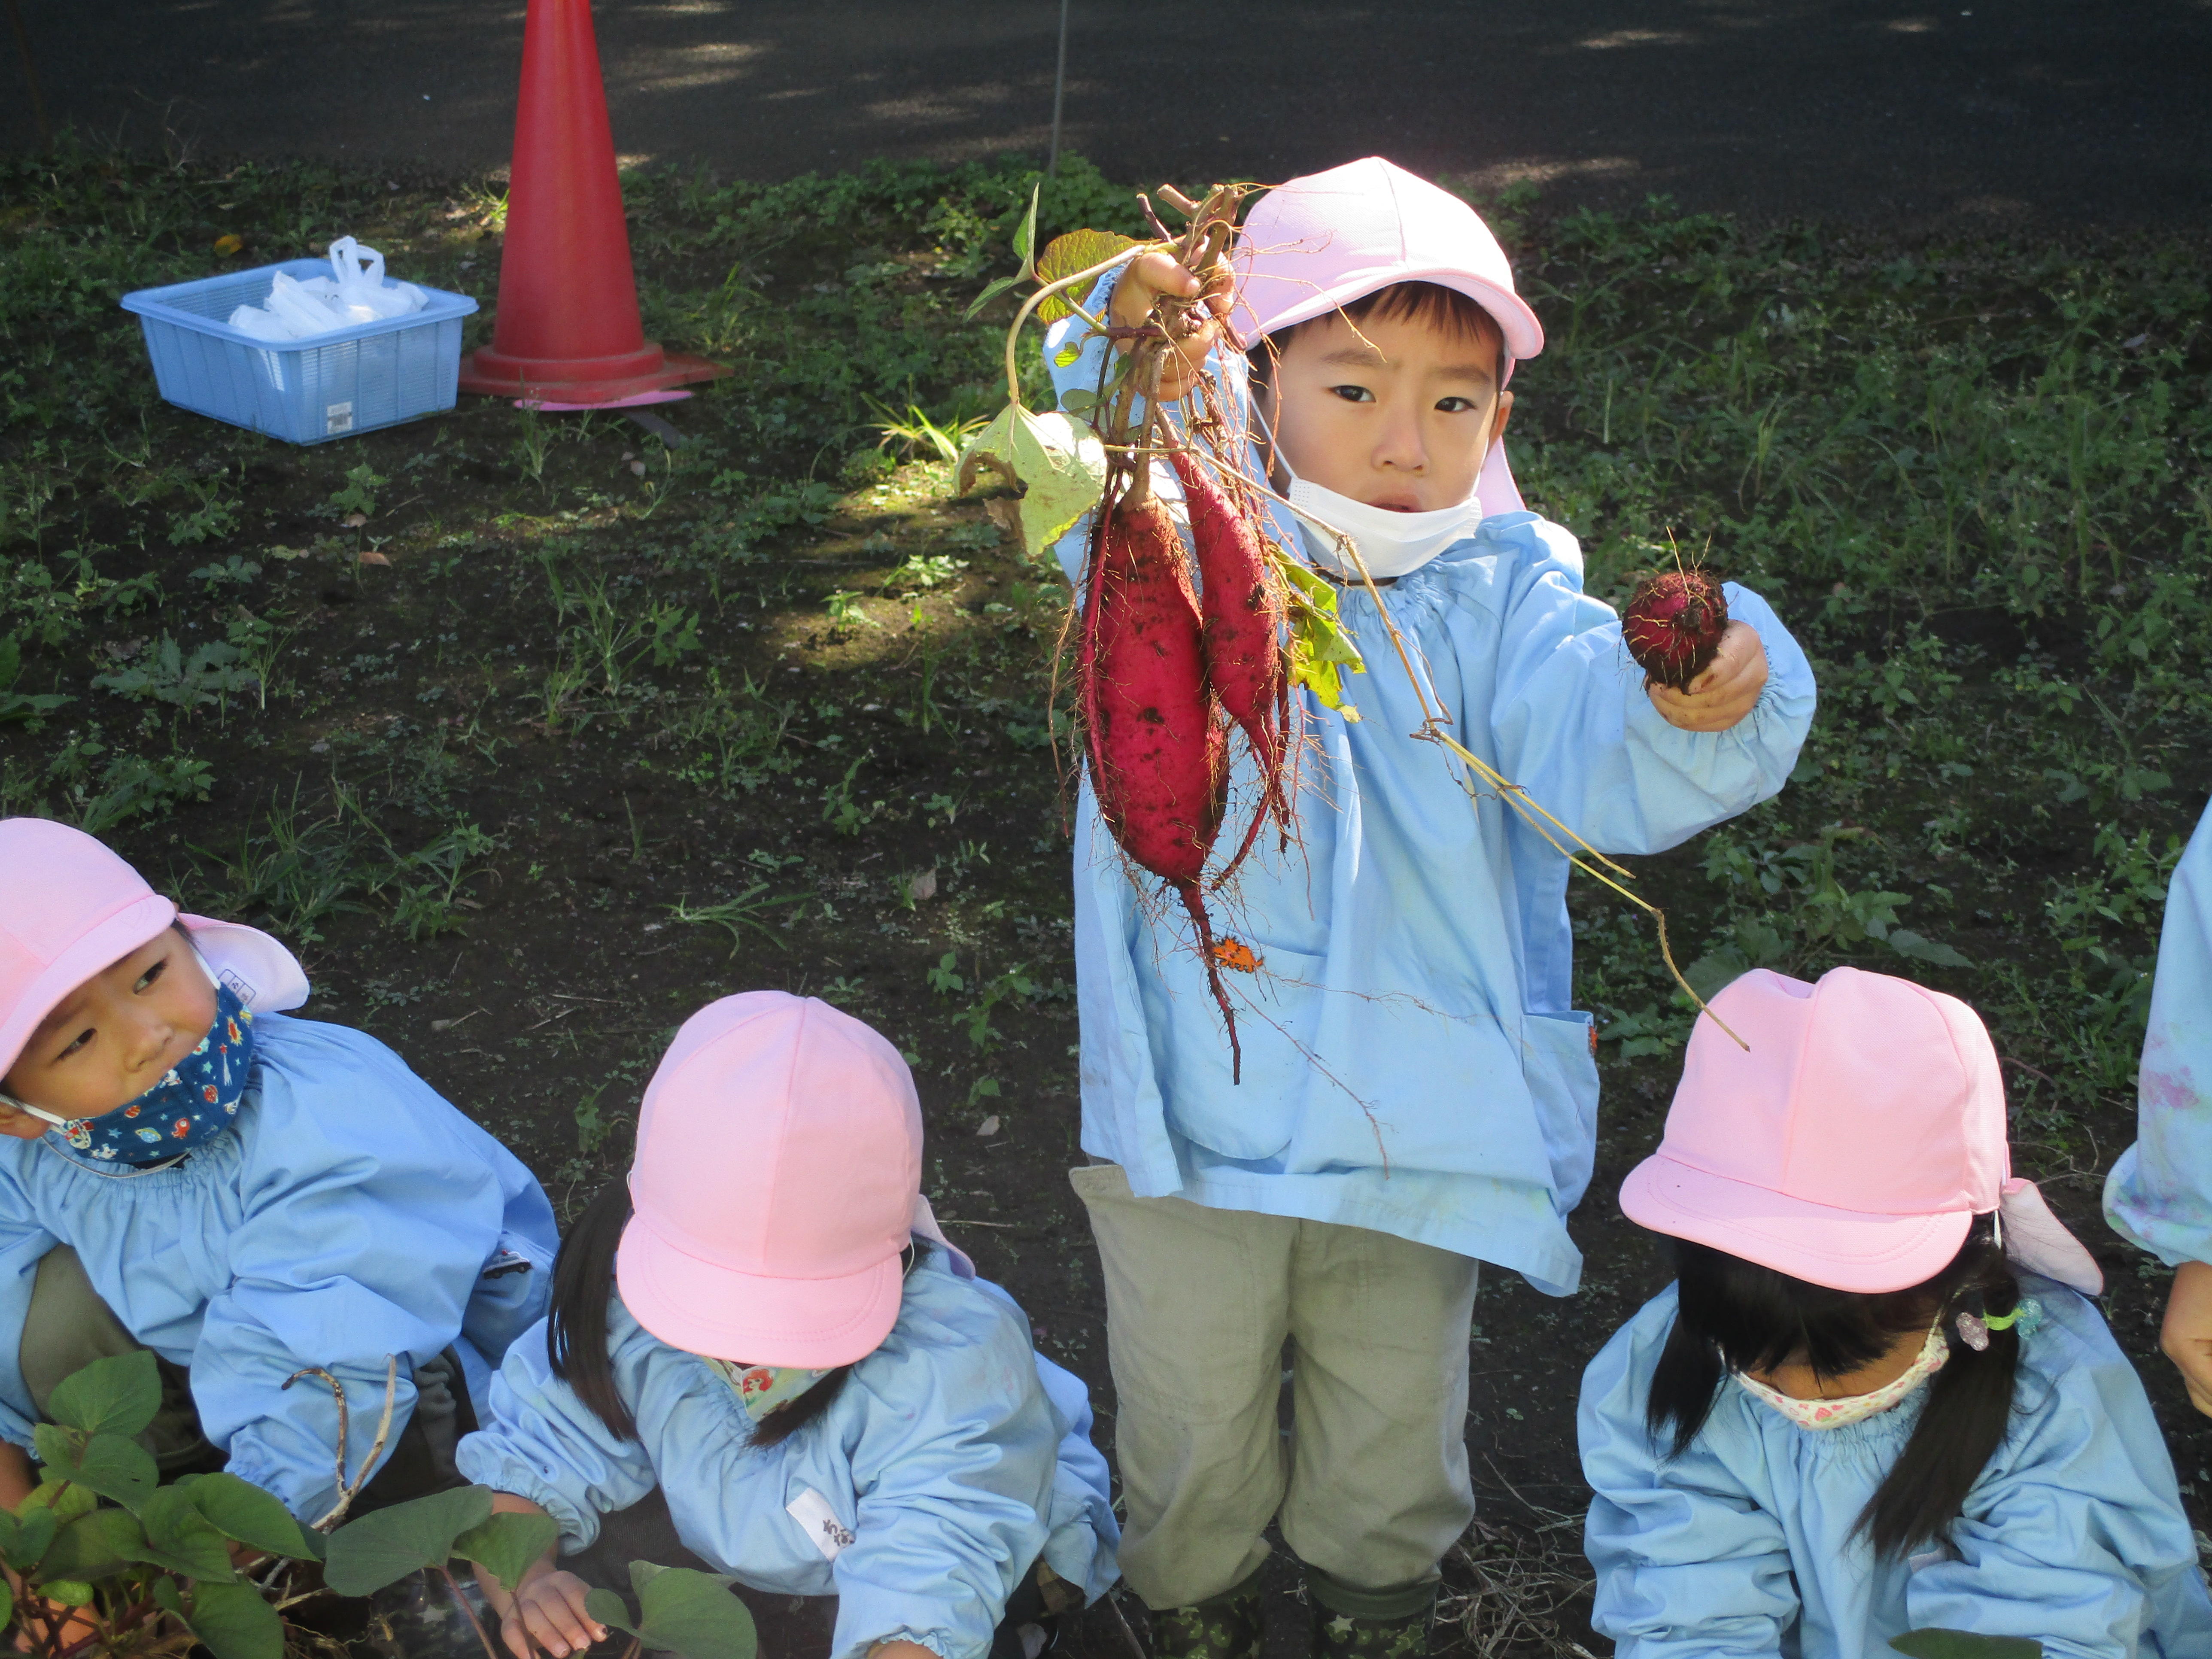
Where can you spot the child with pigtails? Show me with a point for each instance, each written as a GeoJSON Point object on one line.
{"type": "Point", "coordinates": [764, 1325]}
{"type": "Point", "coordinates": [1876, 1398]}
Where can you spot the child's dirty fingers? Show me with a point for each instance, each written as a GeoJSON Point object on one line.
{"type": "Point", "coordinates": [556, 1618]}
{"type": "Point", "coordinates": [515, 1633]}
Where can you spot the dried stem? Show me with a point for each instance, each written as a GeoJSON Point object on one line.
{"type": "Point", "coordinates": [348, 1491]}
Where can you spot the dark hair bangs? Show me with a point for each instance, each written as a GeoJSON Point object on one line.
{"type": "Point", "coordinates": [1430, 304]}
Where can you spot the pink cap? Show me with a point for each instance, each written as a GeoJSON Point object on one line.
{"type": "Point", "coordinates": [1851, 1147]}
{"type": "Point", "coordinates": [1317, 243]}
{"type": "Point", "coordinates": [778, 1168]}
{"type": "Point", "coordinates": [69, 907]}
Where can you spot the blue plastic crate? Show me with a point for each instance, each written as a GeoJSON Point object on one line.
{"type": "Point", "coordinates": [306, 392]}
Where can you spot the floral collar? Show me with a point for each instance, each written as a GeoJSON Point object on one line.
{"type": "Point", "coordinates": [762, 1388]}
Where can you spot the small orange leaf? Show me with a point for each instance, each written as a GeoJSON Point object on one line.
{"type": "Point", "coordinates": [370, 555]}
{"type": "Point", "coordinates": [228, 246]}
{"type": "Point", "coordinates": [1235, 953]}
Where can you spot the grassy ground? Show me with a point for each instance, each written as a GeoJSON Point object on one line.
{"type": "Point", "coordinates": [533, 732]}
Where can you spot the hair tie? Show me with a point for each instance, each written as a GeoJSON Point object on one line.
{"type": "Point", "coordinates": [1974, 1328]}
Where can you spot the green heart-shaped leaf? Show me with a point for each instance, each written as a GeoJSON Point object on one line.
{"type": "Point", "coordinates": [383, 1548]}
{"type": "Point", "coordinates": [179, 1538]}
{"type": "Point", "coordinates": [1058, 466]}
{"type": "Point", "coordinates": [238, 1508]}
{"type": "Point", "coordinates": [93, 1545]}
{"type": "Point", "coordinates": [234, 1622]}
{"type": "Point", "coordinates": [116, 1469]}
{"type": "Point", "coordinates": [116, 1395]}
{"type": "Point", "coordinates": [506, 1545]}
{"type": "Point", "coordinates": [1064, 256]}
{"type": "Point", "coordinates": [607, 1608]}
{"type": "Point", "coordinates": [34, 1535]}
{"type": "Point", "coordinates": [692, 1614]}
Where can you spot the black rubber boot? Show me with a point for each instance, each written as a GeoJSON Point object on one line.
{"type": "Point", "coordinates": [1355, 1624]}
{"type": "Point", "coordinates": [1227, 1626]}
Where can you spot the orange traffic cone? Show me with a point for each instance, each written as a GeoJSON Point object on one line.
{"type": "Point", "coordinates": [568, 332]}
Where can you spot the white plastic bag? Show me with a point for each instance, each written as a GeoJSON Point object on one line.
{"type": "Point", "coordinates": [355, 292]}
{"type": "Point", "coordinates": [360, 291]}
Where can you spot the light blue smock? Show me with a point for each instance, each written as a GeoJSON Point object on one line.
{"type": "Point", "coordinates": [1413, 1061]}
{"type": "Point", "coordinates": [2074, 1535]}
{"type": "Point", "coordinates": [350, 1214]}
{"type": "Point", "coordinates": [2160, 1193]}
{"type": "Point", "coordinates": [953, 1456]}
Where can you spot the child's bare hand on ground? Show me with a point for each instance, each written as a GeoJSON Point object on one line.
{"type": "Point", "coordinates": [1725, 692]}
{"type": "Point", "coordinates": [545, 1614]}
{"type": "Point", "coordinates": [1144, 281]}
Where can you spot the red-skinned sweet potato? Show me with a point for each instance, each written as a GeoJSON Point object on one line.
{"type": "Point", "coordinates": [1157, 749]}
{"type": "Point", "coordinates": [1241, 612]}
{"type": "Point", "coordinates": [1673, 625]}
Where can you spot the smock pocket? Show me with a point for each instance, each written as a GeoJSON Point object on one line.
{"type": "Point", "coordinates": [1559, 1060]}
{"type": "Point", "coordinates": [1277, 999]}
{"type": "Point", "coordinates": [510, 1294]}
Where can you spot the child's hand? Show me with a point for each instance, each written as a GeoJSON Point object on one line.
{"type": "Point", "coordinates": [68, 1625]}
{"type": "Point", "coordinates": [2187, 1338]}
{"type": "Point", "coordinates": [1725, 692]}
{"type": "Point", "coordinates": [1143, 281]}
{"type": "Point", "coordinates": [545, 1614]}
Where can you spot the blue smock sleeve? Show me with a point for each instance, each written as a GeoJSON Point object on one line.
{"type": "Point", "coordinates": [2160, 1194]}
{"type": "Point", "coordinates": [1574, 726]}
{"type": "Point", "coordinates": [953, 1475]}
{"type": "Point", "coordinates": [2074, 1535]}
{"type": "Point", "coordinates": [23, 1244]}
{"type": "Point", "coordinates": [1688, 1565]}
{"type": "Point", "coordinates": [1080, 1547]}
{"type": "Point", "coordinates": [538, 1441]}
{"type": "Point", "coordinates": [366, 1217]}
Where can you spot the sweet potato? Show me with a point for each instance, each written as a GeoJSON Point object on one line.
{"type": "Point", "coordinates": [1157, 749]}
{"type": "Point", "coordinates": [1241, 611]}
{"type": "Point", "coordinates": [1674, 625]}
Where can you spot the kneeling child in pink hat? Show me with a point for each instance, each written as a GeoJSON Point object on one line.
{"type": "Point", "coordinates": [184, 1168]}
{"type": "Point", "coordinates": [765, 1324]}
{"type": "Point", "coordinates": [1876, 1398]}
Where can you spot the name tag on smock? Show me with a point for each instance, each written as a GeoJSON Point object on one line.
{"type": "Point", "coordinates": [813, 1511]}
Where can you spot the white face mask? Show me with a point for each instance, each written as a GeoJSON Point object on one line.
{"type": "Point", "coordinates": [1390, 543]}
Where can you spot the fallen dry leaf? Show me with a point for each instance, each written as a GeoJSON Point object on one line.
{"type": "Point", "coordinates": [987, 1127]}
